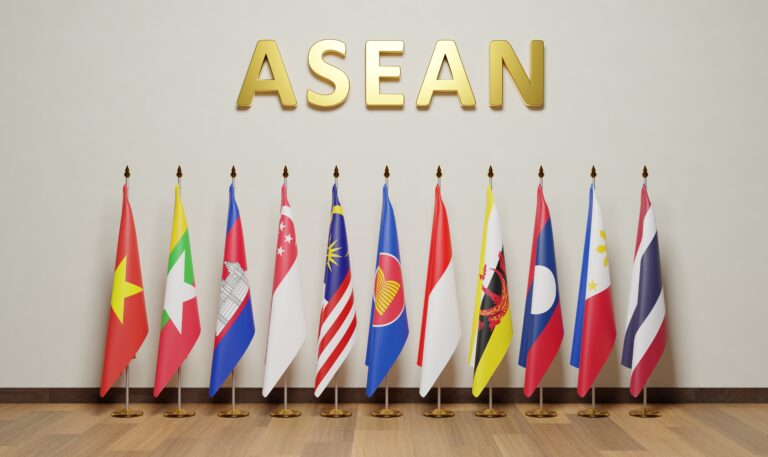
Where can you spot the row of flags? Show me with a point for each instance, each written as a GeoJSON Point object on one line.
{"type": "Point", "coordinates": [491, 333]}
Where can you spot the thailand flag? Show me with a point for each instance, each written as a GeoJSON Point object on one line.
{"type": "Point", "coordinates": [595, 331]}
{"type": "Point", "coordinates": [646, 318]}
{"type": "Point", "coordinates": [543, 321]}
{"type": "Point", "coordinates": [389, 323]}
{"type": "Point", "coordinates": [234, 323]}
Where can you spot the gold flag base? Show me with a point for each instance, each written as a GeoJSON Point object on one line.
{"type": "Point", "coordinates": [179, 413]}
{"type": "Point", "coordinates": [335, 413]}
{"type": "Point", "coordinates": [490, 413]}
{"type": "Point", "coordinates": [285, 413]}
{"type": "Point", "coordinates": [541, 413]}
{"type": "Point", "coordinates": [233, 413]}
{"type": "Point", "coordinates": [593, 413]}
{"type": "Point", "coordinates": [439, 413]}
{"type": "Point", "coordinates": [127, 412]}
{"type": "Point", "coordinates": [387, 413]}
{"type": "Point", "coordinates": [645, 412]}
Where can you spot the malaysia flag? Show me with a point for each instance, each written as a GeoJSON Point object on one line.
{"type": "Point", "coordinates": [234, 323]}
{"type": "Point", "coordinates": [646, 334]}
{"type": "Point", "coordinates": [594, 332]}
{"type": "Point", "coordinates": [543, 321]}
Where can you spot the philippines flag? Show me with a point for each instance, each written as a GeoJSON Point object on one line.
{"type": "Point", "coordinates": [646, 318]}
{"type": "Point", "coordinates": [440, 328]}
{"type": "Point", "coordinates": [338, 320]}
{"type": "Point", "coordinates": [594, 332]}
{"type": "Point", "coordinates": [389, 323]}
{"type": "Point", "coordinates": [287, 328]}
{"type": "Point", "coordinates": [543, 321]}
{"type": "Point", "coordinates": [234, 323]}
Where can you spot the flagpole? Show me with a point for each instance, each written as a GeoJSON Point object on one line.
{"type": "Point", "coordinates": [285, 412]}
{"type": "Point", "coordinates": [336, 412]}
{"type": "Point", "coordinates": [490, 412]}
{"type": "Point", "coordinates": [439, 412]}
{"type": "Point", "coordinates": [127, 411]}
{"type": "Point", "coordinates": [386, 412]}
{"type": "Point", "coordinates": [645, 411]}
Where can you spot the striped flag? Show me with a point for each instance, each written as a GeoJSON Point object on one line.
{"type": "Point", "coordinates": [595, 331]}
{"type": "Point", "coordinates": [234, 323]}
{"type": "Point", "coordinates": [338, 320]}
{"type": "Point", "coordinates": [646, 333]}
{"type": "Point", "coordinates": [180, 325]}
{"type": "Point", "coordinates": [543, 319]}
{"type": "Point", "coordinates": [492, 324]}
{"type": "Point", "coordinates": [440, 329]}
{"type": "Point", "coordinates": [287, 328]}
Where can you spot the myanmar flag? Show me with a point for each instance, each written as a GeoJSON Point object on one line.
{"type": "Point", "coordinates": [128, 315]}
{"type": "Point", "coordinates": [180, 327]}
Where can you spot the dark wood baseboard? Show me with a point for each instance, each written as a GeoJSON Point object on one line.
{"type": "Point", "coordinates": [396, 395]}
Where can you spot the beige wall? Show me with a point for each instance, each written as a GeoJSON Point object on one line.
{"type": "Point", "coordinates": [88, 86]}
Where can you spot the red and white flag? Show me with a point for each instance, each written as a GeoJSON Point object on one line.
{"type": "Point", "coordinates": [440, 328]}
{"type": "Point", "coordinates": [287, 328]}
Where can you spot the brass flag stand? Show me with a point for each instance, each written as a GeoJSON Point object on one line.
{"type": "Point", "coordinates": [439, 412]}
{"type": "Point", "coordinates": [127, 411]}
{"type": "Point", "coordinates": [645, 411]}
{"type": "Point", "coordinates": [541, 412]}
{"type": "Point", "coordinates": [490, 411]}
{"type": "Point", "coordinates": [336, 412]}
{"type": "Point", "coordinates": [593, 412]}
{"type": "Point", "coordinates": [285, 412]}
{"type": "Point", "coordinates": [233, 412]}
{"type": "Point", "coordinates": [386, 412]}
{"type": "Point", "coordinates": [179, 412]}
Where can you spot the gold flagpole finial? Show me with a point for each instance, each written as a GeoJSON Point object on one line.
{"type": "Point", "coordinates": [386, 171]}
{"type": "Point", "coordinates": [233, 173]}
{"type": "Point", "coordinates": [127, 172]}
{"type": "Point", "coordinates": [490, 171]}
{"type": "Point", "coordinates": [285, 171]}
{"type": "Point", "coordinates": [593, 174]}
{"type": "Point", "coordinates": [541, 172]}
{"type": "Point", "coordinates": [439, 173]}
{"type": "Point", "coordinates": [179, 174]}
{"type": "Point", "coordinates": [645, 172]}
{"type": "Point", "coordinates": [336, 172]}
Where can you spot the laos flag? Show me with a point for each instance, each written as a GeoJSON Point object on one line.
{"type": "Point", "coordinates": [234, 323]}
{"type": "Point", "coordinates": [543, 321]}
{"type": "Point", "coordinates": [389, 323]}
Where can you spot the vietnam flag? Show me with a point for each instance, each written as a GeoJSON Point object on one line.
{"type": "Point", "coordinates": [127, 326]}
{"type": "Point", "coordinates": [180, 326]}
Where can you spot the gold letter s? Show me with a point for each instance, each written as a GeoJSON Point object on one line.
{"type": "Point", "coordinates": [328, 73]}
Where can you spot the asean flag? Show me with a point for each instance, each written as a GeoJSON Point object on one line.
{"type": "Point", "coordinates": [543, 321]}
{"type": "Point", "coordinates": [594, 332]}
{"type": "Point", "coordinates": [388, 329]}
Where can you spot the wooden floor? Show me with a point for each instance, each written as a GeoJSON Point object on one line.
{"type": "Point", "coordinates": [88, 430]}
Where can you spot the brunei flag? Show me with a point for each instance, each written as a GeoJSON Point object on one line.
{"type": "Point", "coordinates": [492, 324]}
{"type": "Point", "coordinates": [180, 326]}
{"type": "Point", "coordinates": [127, 315]}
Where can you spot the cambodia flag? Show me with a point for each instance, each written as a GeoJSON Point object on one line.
{"type": "Point", "coordinates": [594, 332]}
{"type": "Point", "coordinates": [389, 323]}
{"type": "Point", "coordinates": [234, 323]}
{"type": "Point", "coordinates": [543, 321]}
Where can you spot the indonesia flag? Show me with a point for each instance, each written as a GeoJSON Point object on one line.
{"type": "Point", "coordinates": [594, 332]}
{"type": "Point", "coordinates": [440, 329]}
{"type": "Point", "coordinates": [543, 321]}
{"type": "Point", "coordinates": [338, 320]}
{"type": "Point", "coordinates": [646, 318]}
{"type": "Point", "coordinates": [234, 323]}
{"type": "Point", "coordinates": [287, 328]}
